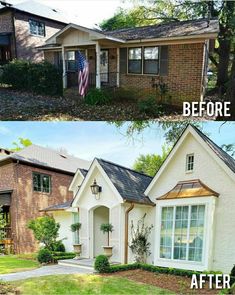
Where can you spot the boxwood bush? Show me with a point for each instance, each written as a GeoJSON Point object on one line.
{"type": "Point", "coordinates": [62, 255]}
{"type": "Point", "coordinates": [39, 78]}
{"type": "Point", "coordinates": [44, 256]}
{"type": "Point", "coordinates": [102, 264]}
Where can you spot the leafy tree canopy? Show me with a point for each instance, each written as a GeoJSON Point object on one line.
{"type": "Point", "coordinates": [149, 164]}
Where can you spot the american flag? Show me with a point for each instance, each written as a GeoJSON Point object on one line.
{"type": "Point", "coordinates": [83, 74]}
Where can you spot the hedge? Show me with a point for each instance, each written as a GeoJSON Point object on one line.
{"type": "Point", "coordinates": [62, 255]}
{"type": "Point", "coordinates": [39, 78]}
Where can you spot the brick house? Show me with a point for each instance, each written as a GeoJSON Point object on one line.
{"type": "Point", "coordinates": [174, 54]}
{"type": "Point", "coordinates": [31, 180]}
{"type": "Point", "coordinates": [25, 26]}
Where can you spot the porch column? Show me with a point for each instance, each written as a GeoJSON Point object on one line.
{"type": "Point", "coordinates": [64, 68]}
{"type": "Point", "coordinates": [97, 47]}
{"type": "Point", "coordinates": [118, 67]}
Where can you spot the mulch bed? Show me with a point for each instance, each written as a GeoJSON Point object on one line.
{"type": "Point", "coordinates": [23, 106]}
{"type": "Point", "coordinates": [177, 284]}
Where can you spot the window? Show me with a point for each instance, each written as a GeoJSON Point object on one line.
{"type": "Point", "coordinates": [151, 63]}
{"type": "Point", "coordinates": [182, 233]}
{"type": "Point", "coordinates": [75, 234]}
{"type": "Point", "coordinates": [41, 183]}
{"type": "Point", "coordinates": [189, 162]}
{"type": "Point", "coordinates": [37, 28]}
{"type": "Point", "coordinates": [135, 61]}
{"type": "Point", "coordinates": [143, 60]}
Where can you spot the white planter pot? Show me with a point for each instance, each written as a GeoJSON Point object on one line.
{"type": "Point", "coordinates": [77, 249]}
{"type": "Point", "coordinates": [108, 251]}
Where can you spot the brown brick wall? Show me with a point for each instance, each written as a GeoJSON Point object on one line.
{"type": "Point", "coordinates": [184, 77]}
{"type": "Point", "coordinates": [26, 203]}
{"type": "Point", "coordinates": [6, 24]}
{"type": "Point", "coordinates": [25, 42]}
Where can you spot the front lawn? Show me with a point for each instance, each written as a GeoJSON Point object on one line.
{"type": "Point", "coordinates": [85, 284]}
{"type": "Point", "coordinates": [14, 263]}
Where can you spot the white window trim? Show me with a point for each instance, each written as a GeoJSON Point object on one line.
{"type": "Point", "coordinates": [142, 61]}
{"type": "Point", "coordinates": [209, 203]}
{"type": "Point", "coordinates": [186, 164]}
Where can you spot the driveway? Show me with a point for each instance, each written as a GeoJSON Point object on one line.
{"type": "Point", "coordinates": [45, 271]}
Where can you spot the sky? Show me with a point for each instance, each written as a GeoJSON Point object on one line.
{"type": "Point", "coordinates": [100, 139]}
{"type": "Point", "coordinates": [88, 12]}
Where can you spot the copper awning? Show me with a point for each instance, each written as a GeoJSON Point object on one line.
{"type": "Point", "coordinates": [189, 189]}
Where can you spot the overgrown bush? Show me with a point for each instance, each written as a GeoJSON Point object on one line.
{"type": "Point", "coordinates": [140, 246]}
{"type": "Point", "coordinates": [149, 106]}
{"type": "Point", "coordinates": [58, 246]}
{"type": "Point", "coordinates": [102, 264]}
{"type": "Point", "coordinates": [44, 256]}
{"type": "Point", "coordinates": [39, 78]}
{"type": "Point", "coordinates": [97, 96]}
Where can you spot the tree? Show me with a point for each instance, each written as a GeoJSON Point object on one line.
{"type": "Point", "coordinates": [2, 225]}
{"type": "Point", "coordinates": [45, 230]}
{"type": "Point", "coordinates": [229, 148]}
{"type": "Point", "coordinates": [21, 144]}
{"type": "Point", "coordinates": [151, 163]}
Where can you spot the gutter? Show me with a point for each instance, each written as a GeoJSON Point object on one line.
{"type": "Point", "coordinates": [126, 232]}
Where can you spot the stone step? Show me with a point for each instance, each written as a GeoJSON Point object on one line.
{"type": "Point", "coordinates": [81, 263]}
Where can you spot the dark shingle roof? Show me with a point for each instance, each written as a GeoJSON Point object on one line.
{"type": "Point", "coordinates": [225, 157]}
{"type": "Point", "coordinates": [166, 30]}
{"type": "Point", "coordinates": [83, 171]}
{"type": "Point", "coordinates": [129, 183]}
{"type": "Point", "coordinates": [38, 155]}
{"type": "Point", "coordinates": [61, 206]}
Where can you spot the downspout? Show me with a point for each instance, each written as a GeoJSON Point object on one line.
{"type": "Point", "coordinates": [126, 233]}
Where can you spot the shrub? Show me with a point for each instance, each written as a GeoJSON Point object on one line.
{"type": "Point", "coordinates": [62, 255]}
{"type": "Point", "coordinates": [106, 228]}
{"type": "Point", "coordinates": [102, 264]}
{"type": "Point", "coordinates": [44, 256]}
{"type": "Point", "coordinates": [149, 106]}
{"type": "Point", "coordinates": [58, 246]}
{"type": "Point", "coordinates": [97, 97]}
{"type": "Point", "coordinates": [40, 78]}
{"type": "Point", "coordinates": [45, 230]}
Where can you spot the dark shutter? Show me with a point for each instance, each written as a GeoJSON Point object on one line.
{"type": "Point", "coordinates": [5, 199]}
{"type": "Point", "coordinates": [123, 60]}
{"type": "Point", "coordinates": [164, 60]}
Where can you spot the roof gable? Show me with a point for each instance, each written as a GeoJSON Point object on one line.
{"type": "Point", "coordinates": [221, 157]}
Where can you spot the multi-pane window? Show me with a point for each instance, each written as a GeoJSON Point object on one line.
{"type": "Point", "coordinates": [182, 232]}
{"type": "Point", "coordinates": [189, 162]}
{"type": "Point", "coordinates": [143, 60]}
{"type": "Point", "coordinates": [75, 234]}
{"type": "Point", "coordinates": [41, 183]}
{"type": "Point", "coordinates": [37, 28]}
{"type": "Point", "coordinates": [151, 62]}
{"type": "Point", "coordinates": [135, 60]}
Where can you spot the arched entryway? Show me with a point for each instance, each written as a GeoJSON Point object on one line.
{"type": "Point", "coordinates": [101, 215]}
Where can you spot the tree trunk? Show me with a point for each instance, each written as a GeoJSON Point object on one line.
{"type": "Point", "coordinates": [231, 89]}
{"type": "Point", "coordinates": [224, 52]}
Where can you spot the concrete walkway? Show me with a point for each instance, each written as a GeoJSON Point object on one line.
{"type": "Point", "coordinates": [45, 271]}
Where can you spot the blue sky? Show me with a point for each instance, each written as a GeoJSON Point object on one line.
{"type": "Point", "coordinates": [100, 139]}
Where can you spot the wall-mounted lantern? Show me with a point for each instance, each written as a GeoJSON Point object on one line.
{"type": "Point", "coordinates": [96, 189]}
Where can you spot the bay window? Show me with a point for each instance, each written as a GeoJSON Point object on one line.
{"type": "Point", "coordinates": [143, 60]}
{"type": "Point", "coordinates": [182, 232]}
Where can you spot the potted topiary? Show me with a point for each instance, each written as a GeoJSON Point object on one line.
{"type": "Point", "coordinates": [77, 246]}
{"type": "Point", "coordinates": [107, 228]}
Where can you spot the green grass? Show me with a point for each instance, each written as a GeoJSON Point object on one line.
{"type": "Point", "coordinates": [84, 285]}
{"type": "Point", "coordinates": [14, 263]}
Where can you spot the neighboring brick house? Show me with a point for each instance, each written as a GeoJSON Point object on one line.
{"type": "Point", "coordinates": [31, 180]}
{"type": "Point", "coordinates": [174, 54]}
{"type": "Point", "coordinates": [24, 27]}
